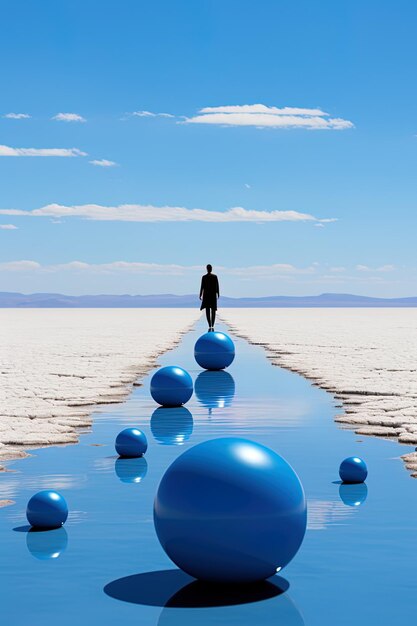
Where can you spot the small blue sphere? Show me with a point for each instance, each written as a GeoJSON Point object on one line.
{"type": "Point", "coordinates": [47, 509]}
{"type": "Point", "coordinates": [171, 386]}
{"type": "Point", "coordinates": [353, 470]}
{"type": "Point", "coordinates": [230, 510]}
{"type": "Point", "coordinates": [214, 351]}
{"type": "Point", "coordinates": [131, 443]}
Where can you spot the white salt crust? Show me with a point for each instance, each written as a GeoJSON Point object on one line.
{"type": "Point", "coordinates": [367, 358]}
{"type": "Point", "coordinates": [57, 365]}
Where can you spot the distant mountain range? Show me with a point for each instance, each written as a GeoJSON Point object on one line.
{"type": "Point", "coordinates": [57, 300]}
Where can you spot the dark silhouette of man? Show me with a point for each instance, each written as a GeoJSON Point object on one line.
{"type": "Point", "coordinates": [209, 292]}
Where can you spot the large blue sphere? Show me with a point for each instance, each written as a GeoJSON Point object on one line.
{"type": "Point", "coordinates": [353, 470]}
{"type": "Point", "coordinates": [214, 351]}
{"type": "Point", "coordinates": [171, 386]}
{"type": "Point", "coordinates": [47, 509]}
{"type": "Point", "coordinates": [230, 510]}
{"type": "Point", "coordinates": [131, 443]}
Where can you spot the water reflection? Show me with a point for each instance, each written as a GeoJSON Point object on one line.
{"type": "Point", "coordinates": [353, 495]}
{"type": "Point", "coordinates": [172, 426]}
{"type": "Point", "coordinates": [131, 470]}
{"type": "Point", "coordinates": [215, 390]}
{"type": "Point", "coordinates": [263, 604]}
{"type": "Point", "coordinates": [46, 544]}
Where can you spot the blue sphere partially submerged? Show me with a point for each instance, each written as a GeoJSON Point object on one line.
{"type": "Point", "coordinates": [230, 510]}
{"type": "Point", "coordinates": [214, 351]}
{"type": "Point", "coordinates": [353, 470]}
{"type": "Point", "coordinates": [131, 443]}
{"type": "Point", "coordinates": [171, 386]}
{"type": "Point", "coordinates": [47, 509]}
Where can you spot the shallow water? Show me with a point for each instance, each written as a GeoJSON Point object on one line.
{"type": "Point", "coordinates": [105, 566]}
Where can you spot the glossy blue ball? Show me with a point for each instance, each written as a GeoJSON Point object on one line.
{"type": "Point", "coordinates": [353, 470]}
{"type": "Point", "coordinates": [214, 351]}
{"type": "Point", "coordinates": [131, 443]}
{"type": "Point", "coordinates": [47, 509]}
{"type": "Point", "coordinates": [171, 386]}
{"type": "Point", "coordinates": [230, 510]}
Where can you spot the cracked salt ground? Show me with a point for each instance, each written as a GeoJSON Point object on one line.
{"type": "Point", "coordinates": [353, 567]}
{"type": "Point", "coordinates": [365, 357]}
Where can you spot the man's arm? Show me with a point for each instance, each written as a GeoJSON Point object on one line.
{"type": "Point", "coordinates": [217, 287]}
{"type": "Point", "coordinates": [202, 288]}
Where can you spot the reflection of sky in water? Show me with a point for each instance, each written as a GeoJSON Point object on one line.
{"type": "Point", "coordinates": [324, 513]}
{"type": "Point", "coordinates": [110, 528]}
{"type": "Point", "coordinates": [172, 426]}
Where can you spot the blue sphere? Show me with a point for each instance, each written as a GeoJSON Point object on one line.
{"type": "Point", "coordinates": [172, 427]}
{"type": "Point", "coordinates": [353, 470]}
{"type": "Point", "coordinates": [171, 386]}
{"type": "Point", "coordinates": [214, 351]}
{"type": "Point", "coordinates": [230, 510]}
{"type": "Point", "coordinates": [47, 509]}
{"type": "Point", "coordinates": [131, 443]}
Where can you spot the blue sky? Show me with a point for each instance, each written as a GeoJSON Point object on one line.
{"type": "Point", "coordinates": [311, 191]}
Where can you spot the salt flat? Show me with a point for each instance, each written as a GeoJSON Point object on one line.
{"type": "Point", "coordinates": [56, 365]}
{"type": "Point", "coordinates": [366, 357]}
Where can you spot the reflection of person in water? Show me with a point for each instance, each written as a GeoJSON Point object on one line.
{"type": "Point", "coordinates": [209, 292]}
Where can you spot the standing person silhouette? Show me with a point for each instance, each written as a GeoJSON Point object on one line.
{"type": "Point", "coordinates": [209, 292]}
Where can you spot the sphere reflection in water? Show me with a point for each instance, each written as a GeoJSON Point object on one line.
{"type": "Point", "coordinates": [46, 544]}
{"type": "Point", "coordinates": [353, 495]}
{"type": "Point", "coordinates": [188, 607]}
{"type": "Point", "coordinates": [131, 470]}
{"type": "Point", "coordinates": [215, 389]}
{"type": "Point", "coordinates": [172, 426]}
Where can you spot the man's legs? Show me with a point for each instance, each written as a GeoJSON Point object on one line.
{"type": "Point", "coordinates": [208, 316]}
{"type": "Point", "coordinates": [213, 317]}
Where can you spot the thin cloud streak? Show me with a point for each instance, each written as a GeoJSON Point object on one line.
{"type": "Point", "coordinates": [103, 163]}
{"type": "Point", "coordinates": [8, 151]}
{"type": "Point", "coordinates": [150, 213]}
{"type": "Point", "coordinates": [8, 227]}
{"type": "Point", "coordinates": [17, 116]}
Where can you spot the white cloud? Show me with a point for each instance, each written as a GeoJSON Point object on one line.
{"type": "Point", "coordinates": [152, 269]}
{"type": "Point", "coordinates": [19, 266]}
{"type": "Point", "coordinates": [247, 186]}
{"type": "Point", "coordinates": [68, 117]}
{"type": "Point", "coordinates": [382, 268]}
{"type": "Point", "coordinates": [40, 152]}
{"type": "Point", "coordinates": [17, 116]}
{"type": "Point", "coordinates": [150, 213]}
{"type": "Point", "coordinates": [103, 163]}
{"type": "Point", "coordinates": [8, 227]}
{"type": "Point", "coordinates": [262, 116]}
{"type": "Point", "coordinates": [150, 114]}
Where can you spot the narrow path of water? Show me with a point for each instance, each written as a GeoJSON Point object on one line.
{"type": "Point", "coordinates": [356, 564]}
